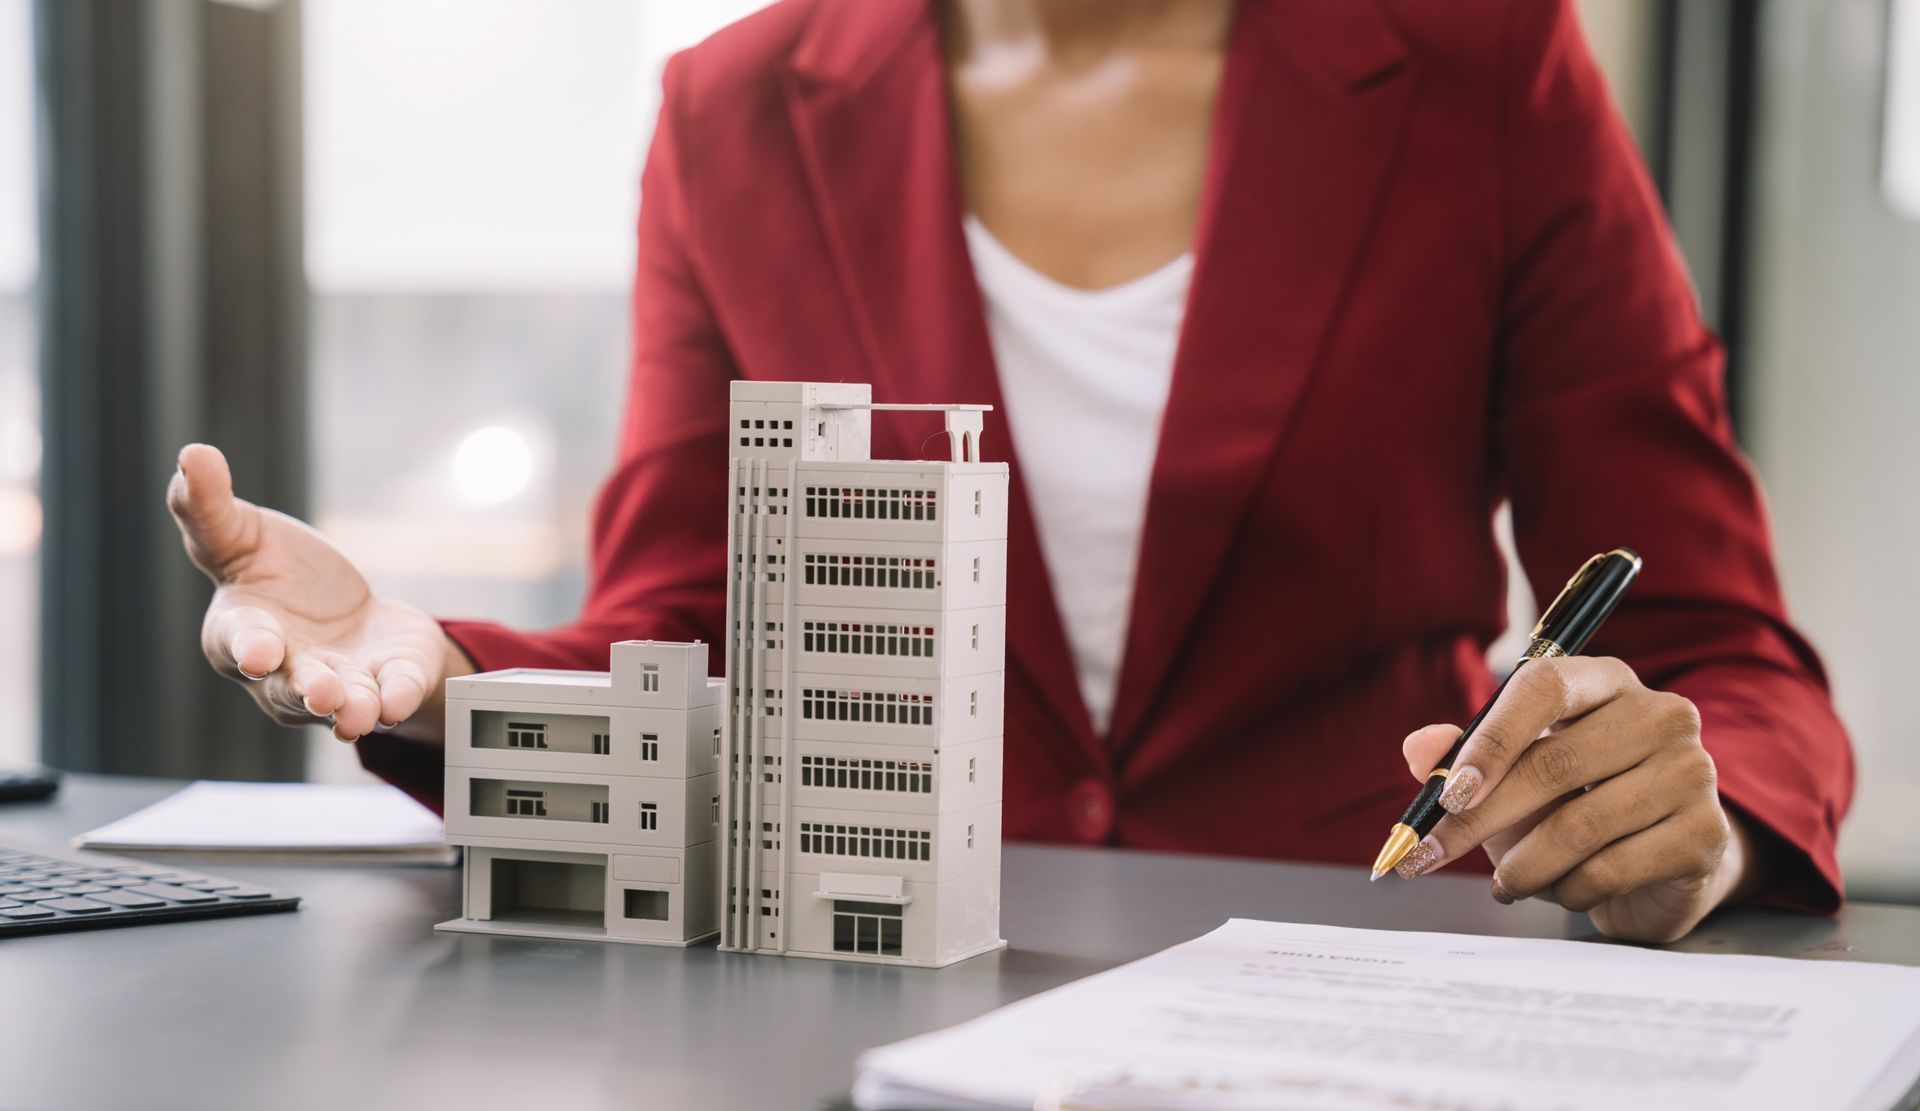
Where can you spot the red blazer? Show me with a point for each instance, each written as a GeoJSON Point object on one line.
{"type": "Point", "coordinates": [1431, 276]}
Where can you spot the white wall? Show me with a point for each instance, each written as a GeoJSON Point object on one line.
{"type": "Point", "coordinates": [1834, 389]}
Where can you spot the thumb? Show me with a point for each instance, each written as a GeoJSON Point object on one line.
{"type": "Point", "coordinates": [1425, 746]}
{"type": "Point", "coordinates": [213, 523]}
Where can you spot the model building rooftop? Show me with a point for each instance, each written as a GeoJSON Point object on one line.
{"type": "Point", "coordinates": [644, 673]}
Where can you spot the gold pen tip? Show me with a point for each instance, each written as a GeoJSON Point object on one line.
{"type": "Point", "coordinates": [1375, 878]}
{"type": "Point", "coordinates": [1399, 843]}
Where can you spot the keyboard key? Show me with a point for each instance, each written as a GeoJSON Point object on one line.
{"type": "Point", "coordinates": [212, 885]}
{"type": "Point", "coordinates": [18, 913]}
{"type": "Point", "coordinates": [129, 900]}
{"type": "Point", "coordinates": [4, 903]}
{"type": "Point", "coordinates": [174, 894]}
{"type": "Point", "coordinates": [61, 883]}
{"type": "Point", "coordinates": [38, 896]}
{"type": "Point", "coordinates": [87, 889]}
{"type": "Point", "coordinates": [126, 882]}
{"type": "Point", "coordinates": [14, 888]}
{"type": "Point", "coordinates": [247, 893]}
{"type": "Point", "coordinates": [77, 906]}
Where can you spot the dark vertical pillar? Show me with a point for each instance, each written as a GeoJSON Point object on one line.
{"type": "Point", "coordinates": [171, 308]}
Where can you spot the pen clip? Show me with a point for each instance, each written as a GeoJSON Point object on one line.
{"type": "Point", "coordinates": [1567, 591]}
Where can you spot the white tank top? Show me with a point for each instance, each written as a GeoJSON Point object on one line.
{"type": "Point", "coordinates": [1085, 375]}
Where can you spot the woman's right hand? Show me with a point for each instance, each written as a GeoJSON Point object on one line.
{"type": "Point", "coordinates": [295, 622]}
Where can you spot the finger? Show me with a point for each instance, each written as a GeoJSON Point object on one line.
{"type": "Point", "coordinates": [1683, 847]}
{"type": "Point", "coordinates": [359, 712]}
{"type": "Point", "coordinates": [403, 687]}
{"type": "Point", "coordinates": [1537, 695]}
{"type": "Point", "coordinates": [1587, 823]}
{"type": "Point", "coordinates": [1430, 855]}
{"type": "Point", "coordinates": [1599, 746]}
{"type": "Point", "coordinates": [317, 687]}
{"type": "Point", "coordinates": [1426, 746]}
{"type": "Point", "coordinates": [243, 642]}
{"type": "Point", "coordinates": [216, 527]}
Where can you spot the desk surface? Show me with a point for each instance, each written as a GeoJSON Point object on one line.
{"type": "Point", "coordinates": [354, 1001]}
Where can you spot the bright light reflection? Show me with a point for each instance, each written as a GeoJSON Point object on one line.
{"type": "Point", "coordinates": [19, 521]}
{"type": "Point", "coordinates": [492, 464]}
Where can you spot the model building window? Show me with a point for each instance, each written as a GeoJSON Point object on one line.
{"type": "Point", "coordinates": [649, 906]}
{"type": "Point", "coordinates": [893, 572]}
{"type": "Point", "coordinates": [869, 503]}
{"type": "Point", "coordinates": [873, 928]}
{"type": "Point", "coordinates": [860, 638]}
{"type": "Point", "coordinates": [970, 769]}
{"type": "Point", "coordinates": [976, 636]}
{"type": "Point", "coordinates": [897, 776]}
{"type": "Point", "coordinates": [969, 835]}
{"type": "Point", "coordinates": [650, 677]}
{"type": "Point", "coordinates": [649, 816]}
{"type": "Point", "coordinates": [649, 746]}
{"type": "Point", "coordinates": [873, 842]}
{"type": "Point", "coordinates": [913, 777]}
{"type": "Point", "coordinates": [524, 734]}
{"type": "Point", "coordinates": [526, 804]}
{"type": "Point", "coordinates": [602, 744]}
{"type": "Point", "coordinates": [716, 811]}
{"type": "Point", "coordinates": [599, 812]}
{"type": "Point", "coordinates": [867, 707]}
{"type": "Point", "coordinates": [976, 568]}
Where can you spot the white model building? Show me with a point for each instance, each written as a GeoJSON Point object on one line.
{"type": "Point", "coordinates": [866, 609]}
{"type": "Point", "coordinates": [588, 801]}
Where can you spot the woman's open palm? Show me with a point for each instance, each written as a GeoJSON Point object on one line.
{"type": "Point", "coordinates": [295, 620]}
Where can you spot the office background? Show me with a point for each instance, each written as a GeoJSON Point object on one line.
{"type": "Point", "coordinates": [378, 250]}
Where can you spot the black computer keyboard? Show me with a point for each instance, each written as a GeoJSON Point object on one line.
{"type": "Point", "coordinates": [40, 893]}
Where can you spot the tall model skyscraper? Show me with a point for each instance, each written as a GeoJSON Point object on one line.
{"type": "Point", "coordinates": [866, 605]}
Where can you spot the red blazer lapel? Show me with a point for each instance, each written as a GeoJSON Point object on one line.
{"type": "Point", "coordinates": [866, 88]}
{"type": "Point", "coordinates": [1306, 133]}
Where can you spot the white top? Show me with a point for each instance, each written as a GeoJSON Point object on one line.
{"type": "Point", "coordinates": [1085, 374]}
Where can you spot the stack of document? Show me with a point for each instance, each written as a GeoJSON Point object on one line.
{"type": "Point", "coordinates": [1269, 1015]}
{"type": "Point", "coordinates": [281, 822]}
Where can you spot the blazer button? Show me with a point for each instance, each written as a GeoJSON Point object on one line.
{"type": "Point", "coordinates": [1090, 809]}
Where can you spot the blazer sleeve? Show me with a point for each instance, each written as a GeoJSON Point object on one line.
{"type": "Point", "coordinates": [1611, 429]}
{"type": "Point", "coordinates": [659, 535]}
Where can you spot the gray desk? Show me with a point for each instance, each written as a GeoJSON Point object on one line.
{"type": "Point", "coordinates": [354, 1002]}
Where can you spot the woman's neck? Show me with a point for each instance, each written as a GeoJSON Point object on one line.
{"type": "Point", "coordinates": [1066, 32]}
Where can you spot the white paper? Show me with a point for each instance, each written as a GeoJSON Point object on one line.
{"type": "Point", "coordinates": [1266, 1014]}
{"type": "Point", "coordinates": [277, 817]}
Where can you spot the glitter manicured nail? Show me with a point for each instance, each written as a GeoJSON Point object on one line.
{"type": "Point", "coordinates": [1420, 859]}
{"type": "Point", "coordinates": [1461, 784]}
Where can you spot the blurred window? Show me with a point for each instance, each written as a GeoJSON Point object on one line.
{"type": "Point", "coordinates": [1901, 162]}
{"type": "Point", "coordinates": [19, 395]}
{"type": "Point", "coordinates": [472, 181]}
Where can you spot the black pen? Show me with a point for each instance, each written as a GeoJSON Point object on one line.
{"type": "Point", "coordinates": [1563, 630]}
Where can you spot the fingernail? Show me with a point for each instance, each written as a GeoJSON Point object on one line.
{"type": "Point", "coordinates": [248, 675]}
{"type": "Point", "coordinates": [389, 725]}
{"type": "Point", "coordinates": [1500, 894]}
{"type": "Point", "coordinates": [1421, 860]}
{"type": "Point", "coordinates": [1461, 784]}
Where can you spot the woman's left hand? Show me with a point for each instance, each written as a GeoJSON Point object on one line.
{"type": "Point", "coordinates": [1588, 788]}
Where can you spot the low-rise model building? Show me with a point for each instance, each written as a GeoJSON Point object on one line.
{"type": "Point", "coordinates": [588, 802]}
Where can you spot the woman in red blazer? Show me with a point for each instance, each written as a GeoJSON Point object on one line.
{"type": "Point", "coordinates": [1429, 275]}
